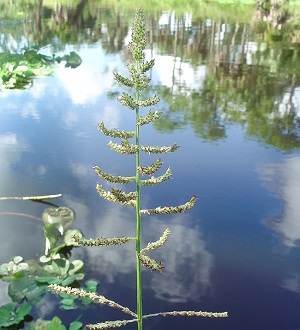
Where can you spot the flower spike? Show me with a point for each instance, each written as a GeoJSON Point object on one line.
{"type": "Point", "coordinates": [171, 209]}
{"type": "Point", "coordinates": [150, 169]}
{"type": "Point", "coordinates": [115, 133]}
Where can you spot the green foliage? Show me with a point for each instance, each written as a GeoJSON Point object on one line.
{"type": "Point", "coordinates": [23, 286]}
{"type": "Point", "coordinates": [11, 314]}
{"type": "Point", "coordinates": [13, 267]}
{"type": "Point", "coordinates": [17, 71]}
{"type": "Point", "coordinates": [72, 61]}
{"type": "Point", "coordinates": [69, 301]}
{"type": "Point", "coordinates": [28, 280]}
{"type": "Point", "coordinates": [54, 324]}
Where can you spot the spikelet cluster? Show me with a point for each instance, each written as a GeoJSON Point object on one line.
{"type": "Point", "coordinates": [102, 241]}
{"type": "Point", "coordinates": [171, 209]}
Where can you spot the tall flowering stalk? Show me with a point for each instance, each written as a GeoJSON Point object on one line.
{"type": "Point", "coordinates": [137, 82]}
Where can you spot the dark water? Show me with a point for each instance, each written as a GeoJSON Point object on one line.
{"type": "Point", "coordinates": [230, 95]}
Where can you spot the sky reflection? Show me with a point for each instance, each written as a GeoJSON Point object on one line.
{"type": "Point", "coordinates": [283, 180]}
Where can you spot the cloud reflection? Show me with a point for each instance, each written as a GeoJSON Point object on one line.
{"type": "Point", "coordinates": [188, 263]}
{"type": "Point", "coordinates": [292, 283]}
{"type": "Point", "coordinates": [83, 84]}
{"type": "Point", "coordinates": [16, 184]}
{"type": "Point", "coordinates": [9, 151]}
{"type": "Point", "coordinates": [283, 180]}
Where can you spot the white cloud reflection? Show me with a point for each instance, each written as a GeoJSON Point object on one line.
{"type": "Point", "coordinates": [188, 263]}
{"type": "Point", "coordinates": [15, 215]}
{"type": "Point", "coordinates": [111, 116]}
{"type": "Point", "coordinates": [284, 181]}
{"type": "Point", "coordinates": [90, 80]}
{"type": "Point", "coordinates": [9, 151]}
{"type": "Point", "coordinates": [292, 283]}
{"type": "Point", "coordinates": [25, 102]}
{"type": "Point", "coordinates": [174, 73]}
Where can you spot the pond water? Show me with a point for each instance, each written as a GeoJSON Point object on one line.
{"type": "Point", "coordinates": [230, 96]}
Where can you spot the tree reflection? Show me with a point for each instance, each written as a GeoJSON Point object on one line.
{"type": "Point", "coordinates": [248, 81]}
{"type": "Point", "coordinates": [219, 71]}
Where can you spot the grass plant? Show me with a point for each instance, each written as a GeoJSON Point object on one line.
{"type": "Point", "coordinates": [137, 82]}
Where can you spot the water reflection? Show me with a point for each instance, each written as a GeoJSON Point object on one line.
{"type": "Point", "coordinates": [189, 265]}
{"type": "Point", "coordinates": [292, 283]}
{"type": "Point", "coordinates": [10, 151]}
{"type": "Point", "coordinates": [231, 71]}
{"type": "Point", "coordinates": [283, 180]}
{"type": "Point", "coordinates": [83, 84]}
{"type": "Point", "coordinates": [16, 216]}
{"type": "Point", "coordinates": [223, 80]}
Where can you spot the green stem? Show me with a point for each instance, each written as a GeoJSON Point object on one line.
{"type": "Point", "coordinates": [31, 197]}
{"type": "Point", "coordinates": [138, 227]}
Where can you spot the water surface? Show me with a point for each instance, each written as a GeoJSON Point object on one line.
{"type": "Point", "coordinates": [230, 93]}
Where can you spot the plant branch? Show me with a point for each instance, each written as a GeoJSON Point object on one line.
{"type": "Point", "coordinates": [159, 150]}
{"type": "Point", "coordinates": [118, 196]}
{"type": "Point", "coordinates": [113, 178]}
{"type": "Point", "coordinates": [91, 295]}
{"type": "Point", "coordinates": [150, 117]}
{"type": "Point", "coordinates": [152, 181]}
{"type": "Point", "coordinates": [102, 241]}
{"type": "Point", "coordinates": [171, 209]}
{"type": "Point", "coordinates": [158, 243]}
{"type": "Point", "coordinates": [109, 324]}
{"type": "Point", "coordinates": [115, 133]}
{"type": "Point", "coordinates": [148, 170]}
{"type": "Point", "coordinates": [190, 313]}
{"type": "Point", "coordinates": [31, 197]}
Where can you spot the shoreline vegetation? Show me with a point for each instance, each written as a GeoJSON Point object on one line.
{"type": "Point", "coordinates": [229, 10]}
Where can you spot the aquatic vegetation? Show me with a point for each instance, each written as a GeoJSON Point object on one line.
{"type": "Point", "coordinates": [54, 324]}
{"type": "Point", "coordinates": [11, 314]}
{"type": "Point", "coordinates": [137, 82]}
{"type": "Point", "coordinates": [18, 70]}
{"type": "Point", "coordinates": [28, 280]}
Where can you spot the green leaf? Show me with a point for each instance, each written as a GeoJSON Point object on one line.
{"type": "Point", "coordinates": [17, 259]}
{"type": "Point", "coordinates": [6, 313]}
{"type": "Point", "coordinates": [11, 314]}
{"type": "Point", "coordinates": [91, 285]}
{"type": "Point", "coordinates": [73, 60]}
{"type": "Point", "coordinates": [4, 269]}
{"type": "Point", "coordinates": [68, 303]}
{"type": "Point", "coordinates": [71, 279]}
{"type": "Point", "coordinates": [75, 325]}
{"type": "Point", "coordinates": [75, 266]}
{"type": "Point", "coordinates": [25, 287]}
{"type": "Point", "coordinates": [55, 324]}
{"type": "Point", "coordinates": [36, 294]}
{"type": "Point", "coordinates": [48, 279]}
{"type": "Point", "coordinates": [59, 267]}
{"type": "Point", "coordinates": [54, 238]}
{"type": "Point", "coordinates": [44, 259]}
{"type": "Point", "coordinates": [69, 240]}
{"type": "Point", "coordinates": [24, 309]}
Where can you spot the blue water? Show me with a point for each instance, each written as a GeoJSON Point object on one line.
{"type": "Point", "coordinates": [237, 250]}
